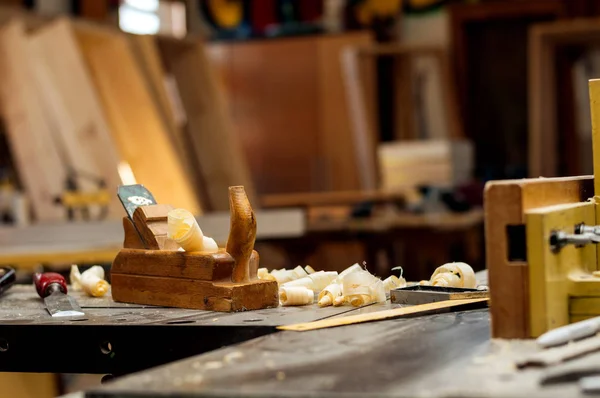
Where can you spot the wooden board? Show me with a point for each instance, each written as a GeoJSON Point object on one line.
{"type": "Point", "coordinates": [336, 148]}
{"type": "Point", "coordinates": [422, 309]}
{"type": "Point", "coordinates": [74, 109]}
{"type": "Point", "coordinates": [360, 96]}
{"type": "Point", "coordinates": [217, 152]}
{"type": "Point", "coordinates": [145, 49]}
{"type": "Point", "coordinates": [505, 205]}
{"type": "Point", "coordinates": [300, 142]}
{"type": "Point", "coordinates": [31, 138]}
{"type": "Point", "coordinates": [137, 126]}
{"type": "Point", "coordinates": [442, 163]}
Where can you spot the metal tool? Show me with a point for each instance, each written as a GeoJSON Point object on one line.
{"type": "Point", "coordinates": [134, 196]}
{"type": "Point", "coordinates": [422, 294]}
{"type": "Point", "coordinates": [7, 278]}
{"type": "Point", "coordinates": [560, 239]}
{"type": "Point", "coordinates": [587, 229]}
{"type": "Point", "coordinates": [590, 384]}
{"type": "Point", "coordinates": [565, 334]}
{"type": "Point", "coordinates": [52, 287]}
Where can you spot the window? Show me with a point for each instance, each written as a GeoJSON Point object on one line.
{"type": "Point", "coordinates": [153, 17]}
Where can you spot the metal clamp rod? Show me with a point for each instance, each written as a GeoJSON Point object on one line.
{"type": "Point", "coordinates": [581, 229]}
{"type": "Point", "coordinates": [559, 239]}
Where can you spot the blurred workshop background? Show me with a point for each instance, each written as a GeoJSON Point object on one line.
{"type": "Point", "coordinates": [363, 130]}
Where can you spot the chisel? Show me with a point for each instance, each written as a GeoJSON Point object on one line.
{"type": "Point", "coordinates": [7, 278]}
{"type": "Point", "coordinates": [52, 287]}
{"type": "Point", "coordinates": [574, 331]}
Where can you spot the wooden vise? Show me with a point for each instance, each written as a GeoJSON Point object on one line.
{"type": "Point", "coordinates": [151, 270]}
{"type": "Point", "coordinates": [535, 285]}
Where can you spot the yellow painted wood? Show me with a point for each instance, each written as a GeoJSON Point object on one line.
{"type": "Point", "coordinates": [550, 273]}
{"type": "Point", "coordinates": [584, 306]}
{"type": "Point", "coordinates": [579, 318]}
{"type": "Point", "coordinates": [28, 385]}
{"type": "Point", "coordinates": [594, 86]}
{"type": "Point", "coordinates": [31, 259]}
{"type": "Point", "coordinates": [422, 309]}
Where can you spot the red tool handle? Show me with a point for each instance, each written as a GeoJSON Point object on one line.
{"type": "Point", "coordinates": [49, 282]}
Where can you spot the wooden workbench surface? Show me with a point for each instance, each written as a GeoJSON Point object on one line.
{"type": "Point", "coordinates": [446, 355]}
{"type": "Point", "coordinates": [139, 336]}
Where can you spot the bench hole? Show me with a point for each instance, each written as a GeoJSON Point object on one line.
{"type": "Point", "coordinates": [106, 347]}
{"type": "Point", "coordinates": [3, 345]}
{"type": "Point", "coordinates": [179, 322]}
{"type": "Point", "coordinates": [516, 239]}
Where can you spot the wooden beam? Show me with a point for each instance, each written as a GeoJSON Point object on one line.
{"type": "Point", "coordinates": [136, 123]}
{"type": "Point", "coordinates": [31, 139]}
{"type": "Point", "coordinates": [74, 108]}
{"type": "Point", "coordinates": [217, 150]}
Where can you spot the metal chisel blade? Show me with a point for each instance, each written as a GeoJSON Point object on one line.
{"type": "Point", "coordinates": [61, 305]}
{"type": "Point", "coordinates": [134, 196]}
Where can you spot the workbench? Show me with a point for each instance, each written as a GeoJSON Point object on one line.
{"type": "Point", "coordinates": [122, 338]}
{"type": "Point", "coordinates": [444, 355]}
{"type": "Point", "coordinates": [242, 354]}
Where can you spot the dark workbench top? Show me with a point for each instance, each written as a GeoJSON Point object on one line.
{"type": "Point", "coordinates": [122, 338]}
{"type": "Point", "coordinates": [139, 336]}
{"type": "Point", "coordinates": [445, 355]}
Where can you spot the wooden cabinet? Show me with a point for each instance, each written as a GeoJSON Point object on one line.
{"type": "Point", "coordinates": [288, 105]}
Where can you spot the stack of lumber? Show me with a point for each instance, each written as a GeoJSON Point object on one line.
{"type": "Point", "coordinates": [442, 163]}
{"type": "Point", "coordinates": [98, 102]}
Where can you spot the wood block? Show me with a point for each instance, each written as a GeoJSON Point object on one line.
{"type": "Point", "coordinates": [551, 274]}
{"type": "Point", "coordinates": [151, 223]}
{"type": "Point", "coordinates": [194, 293]}
{"type": "Point", "coordinates": [505, 205]}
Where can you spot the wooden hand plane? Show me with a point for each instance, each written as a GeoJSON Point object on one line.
{"type": "Point", "coordinates": [150, 269]}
